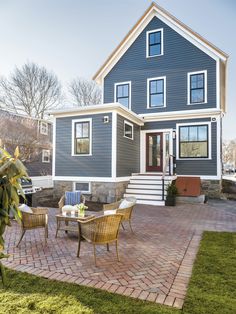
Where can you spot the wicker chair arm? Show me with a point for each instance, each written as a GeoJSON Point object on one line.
{"type": "Point", "coordinates": [111, 206]}
{"type": "Point", "coordinates": [39, 210]}
{"type": "Point", "coordinates": [61, 203]}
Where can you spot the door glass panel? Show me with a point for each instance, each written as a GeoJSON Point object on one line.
{"type": "Point", "coordinates": [154, 150]}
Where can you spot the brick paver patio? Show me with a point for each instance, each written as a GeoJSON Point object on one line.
{"type": "Point", "coordinates": [156, 261]}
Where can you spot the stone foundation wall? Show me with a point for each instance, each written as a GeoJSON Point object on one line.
{"type": "Point", "coordinates": [211, 188]}
{"type": "Point", "coordinates": [102, 192]}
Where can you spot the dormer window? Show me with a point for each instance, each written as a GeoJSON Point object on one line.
{"type": "Point", "coordinates": [154, 43]}
{"type": "Point", "coordinates": [43, 128]}
{"type": "Point", "coordinates": [123, 94]}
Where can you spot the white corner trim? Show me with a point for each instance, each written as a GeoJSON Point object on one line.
{"type": "Point", "coordinates": [90, 179]}
{"type": "Point", "coordinates": [54, 147]}
{"type": "Point", "coordinates": [130, 95]}
{"type": "Point", "coordinates": [218, 86]}
{"type": "Point", "coordinates": [132, 129]}
{"type": "Point", "coordinates": [205, 87]}
{"type": "Point", "coordinates": [218, 147]}
{"type": "Point", "coordinates": [209, 140]}
{"type": "Point", "coordinates": [73, 136]}
{"type": "Point", "coordinates": [114, 145]}
{"type": "Point", "coordinates": [148, 91]}
{"type": "Point", "coordinates": [147, 42]}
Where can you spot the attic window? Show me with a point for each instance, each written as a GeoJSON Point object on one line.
{"type": "Point", "coordinates": [154, 43]}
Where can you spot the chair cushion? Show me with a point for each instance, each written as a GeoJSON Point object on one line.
{"type": "Point", "coordinates": [72, 198]}
{"type": "Point", "coordinates": [110, 212]}
{"type": "Point", "coordinates": [125, 204]}
{"type": "Point", "coordinates": [25, 208]}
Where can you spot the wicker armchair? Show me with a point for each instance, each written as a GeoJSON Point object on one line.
{"type": "Point", "coordinates": [100, 230]}
{"type": "Point", "coordinates": [126, 212]}
{"type": "Point", "coordinates": [61, 203]}
{"type": "Point", "coordinates": [37, 219]}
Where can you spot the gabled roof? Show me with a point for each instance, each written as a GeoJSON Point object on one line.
{"type": "Point", "coordinates": [174, 23]}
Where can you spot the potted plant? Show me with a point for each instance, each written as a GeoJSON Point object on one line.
{"type": "Point", "coordinates": [172, 192]}
{"type": "Point", "coordinates": [11, 171]}
{"type": "Point", "coordinates": [81, 209]}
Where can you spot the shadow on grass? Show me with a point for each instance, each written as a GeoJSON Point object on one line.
{"type": "Point", "coordinates": [30, 294]}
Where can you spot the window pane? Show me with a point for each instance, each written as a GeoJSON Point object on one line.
{"type": "Point", "coordinates": [155, 50]}
{"type": "Point", "coordinates": [192, 134]}
{"type": "Point", "coordinates": [85, 129]}
{"type": "Point", "coordinates": [156, 100]}
{"type": "Point", "coordinates": [82, 186]}
{"type": "Point", "coordinates": [202, 133]}
{"type": "Point", "coordinates": [200, 81]}
{"type": "Point", "coordinates": [184, 134]}
{"type": "Point", "coordinates": [197, 95]}
{"type": "Point", "coordinates": [122, 90]}
{"type": "Point", "coordinates": [193, 150]}
{"type": "Point", "coordinates": [128, 130]}
{"type": "Point", "coordinates": [154, 38]}
{"type": "Point", "coordinates": [78, 130]}
{"type": "Point", "coordinates": [124, 101]}
{"type": "Point", "coordinates": [82, 146]}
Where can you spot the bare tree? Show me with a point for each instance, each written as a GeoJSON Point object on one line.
{"type": "Point", "coordinates": [30, 89]}
{"type": "Point", "coordinates": [229, 152]}
{"type": "Point", "coordinates": [84, 92]}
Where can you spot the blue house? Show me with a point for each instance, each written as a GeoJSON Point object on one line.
{"type": "Point", "coordinates": [164, 91]}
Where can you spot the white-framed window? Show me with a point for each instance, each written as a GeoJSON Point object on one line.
{"type": "Point", "coordinates": [82, 137]}
{"type": "Point", "coordinates": [154, 43]}
{"type": "Point", "coordinates": [197, 87]}
{"type": "Point", "coordinates": [122, 93]}
{"type": "Point", "coordinates": [194, 140]}
{"type": "Point", "coordinates": [43, 128]}
{"type": "Point", "coordinates": [156, 92]}
{"type": "Point", "coordinates": [46, 155]}
{"type": "Point", "coordinates": [128, 130]}
{"type": "Point", "coordinates": [84, 187]}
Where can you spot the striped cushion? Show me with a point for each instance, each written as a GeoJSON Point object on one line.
{"type": "Point", "coordinates": [72, 198]}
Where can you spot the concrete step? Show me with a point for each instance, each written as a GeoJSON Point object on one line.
{"type": "Point", "coordinates": [143, 191]}
{"type": "Point", "coordinates": [148, 202]}
{"type": "Point", "coordinates": [151, 177]}
{"type": "Point", "coordinates": [143, 186]}
{"type": "Point", "coordinates": [136, 181]}
{"type": "Point", "coordinates": [144, 196]}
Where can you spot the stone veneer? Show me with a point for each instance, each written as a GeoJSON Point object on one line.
{"type": "Point", "coordinates": [211, 188]}
{"type": "Point", "coordinates": [103, 192]}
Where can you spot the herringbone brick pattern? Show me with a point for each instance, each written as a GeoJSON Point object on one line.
{"type": "Point", "coordinates": [156, 261]}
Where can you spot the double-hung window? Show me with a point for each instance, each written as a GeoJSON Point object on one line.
{"type": "Point", "coordinates": [197, 87]}
{"type": "Point", "coordinates": [123, 93]}
{"type": "Point", "coordinates": [156, 92]}
{"type": "Point", "coordinates": [194, 141]}
{"type": "Point", "coordinates": [46, 155]}
{"type": "Point", "coordinates": [154, 43]}
{"type": "Point", "coordinates": [81, 132]}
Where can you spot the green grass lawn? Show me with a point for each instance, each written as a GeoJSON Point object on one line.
{"type": "Point", "coordinates": [212, 288]}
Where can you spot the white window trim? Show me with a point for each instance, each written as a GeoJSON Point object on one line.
{"type": "Point", "coordinates": [122, 83]}
{"type": "Point", "coordinates": [44, 152]}
{"type": "Point", "coordinates": [132, 127]}
{"type": "Point", "coordinates": [42, 123]}
{"type": "Point", "coordinates": [148, 90]}
{"type": "Point", "coordinates": [205, 87]}
{"type": "Point", "coordinates": [147, 42]}
{"type": "Point", "coordinates": [178, 125]}
{"type": "Point", "coordinates": [84, 192]}
{"type": "Point", "coordinates": [73, 137]}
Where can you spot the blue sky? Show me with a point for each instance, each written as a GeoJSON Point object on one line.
{"type": "Point", "coordinates": [74, 37]}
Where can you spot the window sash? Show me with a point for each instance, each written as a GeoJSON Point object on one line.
{"type": "Point", "coordinates": [201, 88]}
{"type": "Point", "coordinates": [128, 130]}
{"type": "Point", "coordinates": [151, 94]}
{"type": "Point", "coordinates": [123, 98]}
{"type": "Point", "coordinates": [82, 142]}
{"type": "Point", "coordinates": [193, 147]}
{"type": "Point", "coordinates": [156, 44]}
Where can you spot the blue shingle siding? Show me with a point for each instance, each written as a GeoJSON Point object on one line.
{"type": "Point", "coordinates": [97, 165]}
{"type": "Point", "coordinates": [128, 151]}
{"type": "Point", "coordinates": [180, 57]}
{"type": "Point", "coordinates": [191, 167]}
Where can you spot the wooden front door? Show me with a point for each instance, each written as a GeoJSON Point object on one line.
{"type": "Point", "coordinates": [154, 152]}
